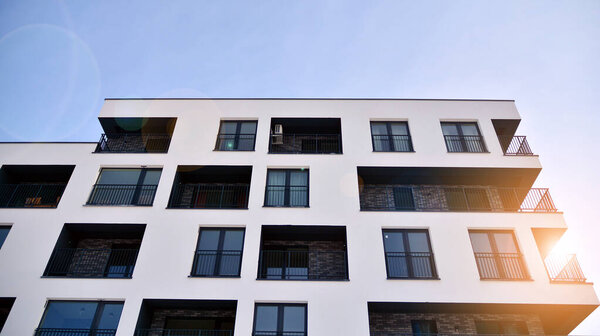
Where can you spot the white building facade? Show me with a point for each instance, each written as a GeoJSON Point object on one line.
{"type": "Point", "coordinates": [285, 217]}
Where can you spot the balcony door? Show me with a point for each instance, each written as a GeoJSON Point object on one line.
{"type": "Point", "coordinates": [81, 318]}
{"type": "Point", "coordinates": [116, 186]}
{"type": "Point", "coordinates": [497, 255]}
{"type": "Point", "coordinates": [463, 137]}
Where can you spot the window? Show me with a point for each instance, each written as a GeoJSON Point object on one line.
{"type": "Point", "coordinates": [463, 137]}
{"type": "Point", "coordinates": [219, 253]}
{"type": "Point", "coordinates": [497, 255]}
{"type": "Point", "coordinates": [3, 233]}
{"type": "Point", "coordinates": [501, 328]}
{"type": "Point", "coordinates": [85, 316]}
{"type": "Point", "coordinates": [287, 188]}
{"type": "Point", "coordinates": [280, 319]}
{"type": "Point", "coordinates": [285, 262]}
{"type": "Point", "coordinates": [424, 327]}
{"type": "Point", "coordinates": [236, 136]}
{"type": "Point", "coordinates": [117, 186]}
{"type": "Point", "coordinates": [391, 137]}
{"type": "Point", "coordinates": [408, 254]}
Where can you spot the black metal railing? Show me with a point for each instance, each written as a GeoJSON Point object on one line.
{"type": "Point", "coordinates": [501, 266]}
{"type": "Point", "coordinates": [74, 332]}
{"type": "Point", "coordinates": [454, 198]}
{"type": "Point", "coordinates": [182, 332]}
{"type": "Point", "coordinates": [133, 143]}
{"type": "Point", "coordinates": [465, 144]}
{"type": "Point", "coordinates": [286, 196]}
{"type": "Point", "coordinates": [564, 268]}
{"type": "Point", "coordinates": [45, 195]}
{"type": "Point", "coordinates": [210, 196]}
{"type": "Point", "coordinates": [92, 263]}
{"type": "Point", "coordinates": [225, 263]}
{"type": "Point", "coordinates": [305, 144]}
{"type": "Point", "coordinates": [122, 194]}
{"type": "Point", "coordinates": [303, 265]}
{"type": "Point", "coordinates": [235, 142]}
{"type": "Point", "coordinates": [278, 333]}
{"type": "Point", "coordinates": [413, 265]}
{"type": "Point", "coordinates": [515, 145]}
{"type": "Point", "coordinates": [392, 143]}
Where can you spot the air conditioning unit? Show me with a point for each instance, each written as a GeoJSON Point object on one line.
{"type": "Point", "coordinates": [277, 136]}
{"type": "Point", "coordinates": [278, 129]}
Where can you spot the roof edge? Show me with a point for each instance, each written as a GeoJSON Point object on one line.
{"type": "Point", "coordinates": [400, 99]}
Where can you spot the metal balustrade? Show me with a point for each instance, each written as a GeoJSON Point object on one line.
{"type": "Point", "coordinates": [133, 143]}
{"type": "Point", "coordinates": [454, 198]}
{"type": "Point", "coordinates": [122, 194]}
{"type": "Point", "coordinates": [92, 263]}
{"type": "Point", "coordinates": [279, 333]}
{"type": "Point", "coordinates": [410, 265]}
{"type": "Point", "coordinates": [182, 332]}
{"type": "Point", "coordinates": [235, 142]}
{"type": "Point", "coordinates": [217, 263]}
{"type": "Point", "coordinates": [210, 196]}
{"type": "Point", "coordinates": [45, 195]}
{"type": "Point", "coordinates": [465, 144]}
{"type": "Point", "coordinates": [564, 268]}
{"type": "Point", "coordinates": [305, 144]}
{"type": "Point", "coordinates": [286, 196]}
{"type": "Point", "coordinates": [515, 145]}
{"type": "Point", "coordinates": [392, 143]}
{"type": "Point", "coordinates": [74, 332]}
{"type": "Point", "coordinates": [303, 265]}
{"type": "Point", "coordinates": [501, 266]}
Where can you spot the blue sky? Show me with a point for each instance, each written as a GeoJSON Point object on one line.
{"type": "Point", "coordinates": [60, 59]}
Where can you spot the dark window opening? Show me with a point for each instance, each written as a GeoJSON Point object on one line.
{"type": "Point", "coordinates": [80, 318]}
{"type": "Point", "coordinates": [33, 186]}
{"type": "Point", "coordinates": [391, 137]}
{"type": "Point", "coordinates": [287, 188]}
{"type": "Point", "coordinates": [497, 255]}
{"type": "Point", "coordinates": [136, 135]}
{"type": "Point", "coordinates": [463, 137]}
{"type": "Point", "coordinates": [408, 254]}
{"type": "Point", "coordinates": [236, 136]}
{"type": "Point", "coordinates": [305, 136]}
{"type": "Point", "coordinates": [280, 319]}
{"type": "Point", "coordinates": [424, 327]}
{"type": "Point", "coordinates": [125, 186]}
{"type": "Point", "coordinates": [219, 253]}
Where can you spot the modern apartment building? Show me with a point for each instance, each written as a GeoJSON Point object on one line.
{"type": "Point", "coordinates": [285, 217]}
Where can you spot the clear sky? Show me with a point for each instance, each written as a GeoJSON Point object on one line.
{"type": "Point", "coordinates": [59, 59]}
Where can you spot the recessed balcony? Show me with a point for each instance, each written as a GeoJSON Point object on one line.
{"type": "Point", "coordinates": [135, 135]}
{"type": "Point", "coordinates": [511, 144]}
{"type": "Point", "coordinates": [305, 136]}
{"type": "Point", "coordinates": [33, 186]}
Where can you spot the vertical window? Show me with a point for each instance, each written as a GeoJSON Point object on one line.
{"type": "Point", "coordinates": [86, 317]}
{"type": "Point", "coordinates": [408, 254]}
{"type": "Point", "coordinates": [280, 319]}
{"type": "Point", "coordinates": [497, 255]}
{"type": "Point", "coordinates": [219, 253]}
{"type": "Point", "coordinates": [125, 187]}
{"type": "Point", "coordinates": [501, 328]}
{"type": "Point", "coordinates": [424, 327]}
{"type": "Point", "coordinates": [391, 137]}
{"type": "Point", "coordinates": [236, 136]}
{"type": "Point", "coordinates": [3, 233]}
{"type": "Point", "coordinates": [463, 137]}
{"type": "Point", "coordinates": [287, 188]}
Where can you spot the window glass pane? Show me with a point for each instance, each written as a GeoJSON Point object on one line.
{"type": "Point", "coordinates": [424, 327]}
{"type": "Point", "coordinates": [480, 242]}
{"type": "Point", "coordinates": [3, 233]}
{"type": "Point", "coordinates": [298, 178]}
{"type": "Point", "coordinates": [505, 242]}
{"type": "Point", "coordinates": [248, 127]}
{"type": "Point", "coordinates": [378, 128]}
{"type": "Point", "coordinates": [469, 129]}
{"type": "Point", "coordinates": [152, 176]}
{"type": "Point", "coordinates": [110, 316]}
{"type": "Point", "coordinates": [228, 127]}
{"type": "Point", "coordinates": [76, 315]}
{"type": "Point", "coordinates": [293, 318]}
{"type": "Point", "coordinates": [399, 128]}
{"type": "Point", "coordinates": [234, 240]}
{"type": "Point", "coordinates": [418, 242]}
{"type": "Point", "coordinates": [276, 177]}
{"type": "Point", "coordinates": [119, 176]}
{"type": "Point", "coordinates": [449, 129]}
{"type": "Point", "coordinates": [266, 318]}
{"type": "Point", "coordinates": [393, 241]}
{"type": "Point", "coordinates": [209, 239]}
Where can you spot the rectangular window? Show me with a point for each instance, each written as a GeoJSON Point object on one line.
{"type": "Point", "coordinates": [463, 137]}
{"type": "Point", "coordinates": [3, 234]}
{"type": "Point", "coordinates": [501, 328]}
{"type": "Point", "coordinates": [236, 136]}
{"type": "Point", "coordinates": [287, 188]}
{"type": "Point", "coordinates": [219, 253]}
{"type": "Point", "coordinates": [408, 254]}
{"type": "Point", "coordinates": [124, 186]}
{"type": "Point", "coordinates": [497, 255]}
{"type": "Point", "coordinates": [280, 319]}
{"type": "Point", "coordinates": [80, 317]}
{"type": "Point", "coordinates": [391, 137]}
{"type": "Point", "coordinates": [424, 327]}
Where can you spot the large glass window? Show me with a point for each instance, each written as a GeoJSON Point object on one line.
{"type": "Point", "coordinates": [463, 137]}
{"type": "Point", "coordinates": [236, 136]}
{"type": "Point", "coordinates": [391, 137]}
{"type": "Point", "coordinates": [497, 255]}
{"type": "Point", "coordinates": [424, 327]}
{"type": "Point", "coordinates": [280, 319]}
{"type": "Point", "coordinates": [116, 186]}
{"type": "Point", "coordinates": [219, 252]}
{"type": "Point", "coordinates": [87, 317]}
{"type": "Point", "coordinates": [287, 188]}
{"type": "Point", "coordinates": [408, 254]}
{"type": "Point", "coordinates": [3, 234]}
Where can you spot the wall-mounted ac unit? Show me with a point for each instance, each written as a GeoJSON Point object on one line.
{"type": "Point", "coordinates": [278, 129]}
{"type": "Point", "coordinates": [277, 136]}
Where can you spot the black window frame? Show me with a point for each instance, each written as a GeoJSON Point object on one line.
{"type": "Point", "coordinates": [500, 265]}
{"type": "Point", "coordinates": [280, 311]}
{"type": "Point", "coordinates": [286, 192]}
{"type": "Point", "coordinates": [501, 327]}
{"type": "Point", "coordinates": [97, 313]}
{"type": "Point", "coordinates": [236, 135]}
{"type": "Point", "coordinates": [463, 143]}
{"type": "Point", "coordinates": [409, 264]}
{"type": "Point", "coordinates": [388, 125]}
{"type": "Point", "coordinates": [218, 257]}
{"type": "Point", "coordinates": [138, 189]}
{"type": "Point", "coordinates": [430, 322]}
{"type": "Point", "coordinates": [4, 237]}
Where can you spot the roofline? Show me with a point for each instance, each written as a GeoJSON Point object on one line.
{"type": "Point", "coordinates": [394, 99]}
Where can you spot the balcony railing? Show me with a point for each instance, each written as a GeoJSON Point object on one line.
{"type": "Point", "coordinates": [31, 195]}
{"type": "Point", "coordinates": [305, 144]}
{"type": "Point", "coordinates": [501, 266]}
{"type": "Point", "coordinates": [303, 265]}
{"type": "Point", "coordinates": [286, 196]}
{"type": "Point", "coordinates": [564, 268]}
{"type": "Point", "coordinates": [182, 332]}
{"type": "Point", "coordinates": [454, 198]}
{"type": "Point", "coordinates": [515, 145]}
{"type": "Point", "coordinates": [279, 333]}
{"type": "Point", "coordinates": [465, 144]}
{"type": "Point", "coordinates": [92, 263]}
{"type": "Point", "coordinates": [235, 142]}
{"type": "Point", "coordinates": [210, 196]}
{"type": "Point", "coordinates": [123, 194]}
{"type": "Point", "coordinates": [209, 263]}
{"type": "Point", "coordinates": [74, 332]}
{"type": "Point", "coordinates": [415, 265]}
{"type": "Point", "coordinates": [133, 143]}
{"type": "Point", "coordinates": [392, 143]}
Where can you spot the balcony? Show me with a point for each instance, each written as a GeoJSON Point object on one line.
{"type": "Point", "coordinates": [564, 269]}
{"type": "Point", "coordinates": [515, 145]}
{"type": "Point", "coordinates": [305, 136]}
{"type": "Point", "coordinates": [28, 186]}
{"type": "Point", "coordinates": [211, 187]}
{"type": "Point", "coordinates": [123, 194]}
{"type": "Point", "coordinates": [135, 135]}
{"type": "Point", "coordinates": [74, 332]}
{"type": "Point", "coordinates": [303, 253]}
